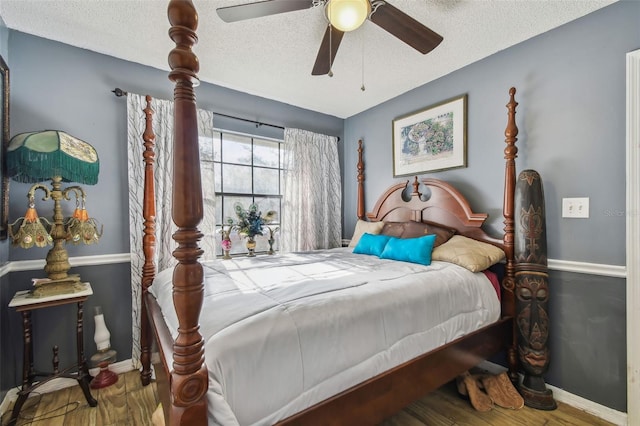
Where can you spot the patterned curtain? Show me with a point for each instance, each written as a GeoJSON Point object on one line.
{"type": "Point", "coordinates": [163, 129]}
{"type": "Point", "coordinates": [312, 192]}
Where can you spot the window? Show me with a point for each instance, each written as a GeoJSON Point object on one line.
{"type": "Point", "coordinates": [247, 169]}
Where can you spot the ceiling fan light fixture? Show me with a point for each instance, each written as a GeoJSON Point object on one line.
{"type": "Point", "coordinates": [347, 15]}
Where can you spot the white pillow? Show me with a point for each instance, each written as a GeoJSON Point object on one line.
{"type": "Point", "coordinates": [362, 227]}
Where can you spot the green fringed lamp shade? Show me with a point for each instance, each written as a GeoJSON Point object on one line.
{"type": "Point", "coordinates": [38, 156]}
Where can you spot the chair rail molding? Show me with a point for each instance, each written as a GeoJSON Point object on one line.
{"type": "Point", "coordinates": [615, 271]}
{"type": "Point", "coordinates": [34, 265]}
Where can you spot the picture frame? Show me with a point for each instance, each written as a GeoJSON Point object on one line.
{"type": "Point", "coordinates": [431, 139]}
{"type": "Point", "coordinates": [4, 143]}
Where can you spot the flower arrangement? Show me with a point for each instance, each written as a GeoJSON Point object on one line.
{"type": "Point", "coordinates": [250, 221]}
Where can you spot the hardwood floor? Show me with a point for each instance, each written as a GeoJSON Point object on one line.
{"type": "Point", "coordinates": [445, 407]}
{"type": "Point", "coordinates": [127, 403]}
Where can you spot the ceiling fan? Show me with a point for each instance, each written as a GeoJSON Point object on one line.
{"type": "Point", "coordinates": [356, 12]}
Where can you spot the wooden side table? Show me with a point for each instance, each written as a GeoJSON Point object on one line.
{"type": "Point", "coordinates": [23, 302]}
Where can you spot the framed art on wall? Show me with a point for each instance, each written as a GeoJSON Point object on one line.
{"type": "Point", "coordinates": [431, 139]}
{"type": "Point", "coordinates": [4, 142]}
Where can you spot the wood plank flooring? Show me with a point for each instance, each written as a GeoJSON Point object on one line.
{"type": "Point", "coordinates": [125, 403]}
{"type": "Point", "coordinates": [445, 407]}
{"type": "Point", "coordinates": [128, 403]}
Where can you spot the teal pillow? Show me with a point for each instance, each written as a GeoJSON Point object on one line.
{"type": "Point", "coordinates": [414, 250]}
{"type": "Point", "coordinates": [371, 244]}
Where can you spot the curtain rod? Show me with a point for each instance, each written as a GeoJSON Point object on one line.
{"type": "Point", "coordinates": [119, 92]}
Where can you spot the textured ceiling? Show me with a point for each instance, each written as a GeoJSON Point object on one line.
{"type": "Point", "coordinates": [273, 56]}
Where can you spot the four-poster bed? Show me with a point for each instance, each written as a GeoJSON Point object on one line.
{"type": "Point", "coordinates": [180, 368]}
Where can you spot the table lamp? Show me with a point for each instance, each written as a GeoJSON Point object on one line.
{"type": "Point", "coordinates": [53, 155]}
{"type": "Point", "coordinates": [105, 354]}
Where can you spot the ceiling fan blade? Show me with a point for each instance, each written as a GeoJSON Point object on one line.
{"type": "Point", "coordinates": [332, 38]}
{"type": "Point", "coordinates": [405, 28]}
{"type": "Point", "coordinates": [262, 8]}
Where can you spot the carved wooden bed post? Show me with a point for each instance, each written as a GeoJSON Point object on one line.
{"type": "Point", "coordinates": [189, 379]}
{"type": "Point", "coordinates": [360, 211]}
{"type": "Point", "coordinates": [148, 241]}
{"type": "Point", "coordinates": [508, 283]}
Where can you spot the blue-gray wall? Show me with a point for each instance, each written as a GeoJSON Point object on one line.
{"type": "Point", "coordinates": [4, 40]}
{"type": "Point", "coordinates": [55, 86]}
{"type": "Point", "coordinates": [570, 85]}
{"type": "Point", "coordinates": [571, 90]}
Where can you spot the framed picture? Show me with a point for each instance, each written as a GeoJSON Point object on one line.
{"type": "Point", "coordinates": [431, 139]}
{"type": "Point", "coordinates": [4, 142]}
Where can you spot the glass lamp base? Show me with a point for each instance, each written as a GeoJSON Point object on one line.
{"type": "Point", "coordinates": [105, 377]}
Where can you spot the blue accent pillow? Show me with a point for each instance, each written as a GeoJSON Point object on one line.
{"type": "Point", "coordinates": [371, 244]}
{"type": "Point", "coordinates": [414, 250]}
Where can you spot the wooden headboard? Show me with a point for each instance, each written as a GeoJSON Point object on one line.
{"type": "Point", "coordinates": [431, 200]}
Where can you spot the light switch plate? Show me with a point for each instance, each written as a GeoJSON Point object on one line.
{"type": "Point", "coordinates": [575, 207]}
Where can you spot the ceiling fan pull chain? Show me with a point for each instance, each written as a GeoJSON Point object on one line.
{"type": "Point", "coordinates": [330, 73]}
{"type": "Point", "coordinates": [362, 39]}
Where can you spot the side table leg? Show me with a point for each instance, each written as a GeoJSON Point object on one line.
{"type": "Point", "coordinates": [17, 407]}
{"type": "Point", "coordinates": [83, 369]}
{"type": "Point", "coordinates": [27, 366]}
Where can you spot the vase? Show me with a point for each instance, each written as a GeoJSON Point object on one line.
{"type": "Point", "coordinates": [272, 240]}
{"type": "Point", "coordinates": [251, 246]}
{"type": "Point", "coordinates": [226, 246]}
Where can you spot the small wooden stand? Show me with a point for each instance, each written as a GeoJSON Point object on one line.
{"type": "Point", "coordinates": [24, 302]}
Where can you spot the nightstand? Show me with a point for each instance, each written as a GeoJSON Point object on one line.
{"type": "Point", "coordinates": [24, 303]}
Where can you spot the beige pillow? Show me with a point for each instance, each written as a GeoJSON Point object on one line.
{"type": "Point", "coordinates": [362, 227]}
{"type": "Point", "coordinates": [474, 255]}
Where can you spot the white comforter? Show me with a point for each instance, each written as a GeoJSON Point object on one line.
{"type": "Point", "coordinates": [287, 331]}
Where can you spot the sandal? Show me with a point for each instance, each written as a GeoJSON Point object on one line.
{"type": "Point", "coordinates": [468, 386]}
{"type": "Point", "coordinates": [501, 391]}
{"type": "Point", "coordinates": [462, 389]}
